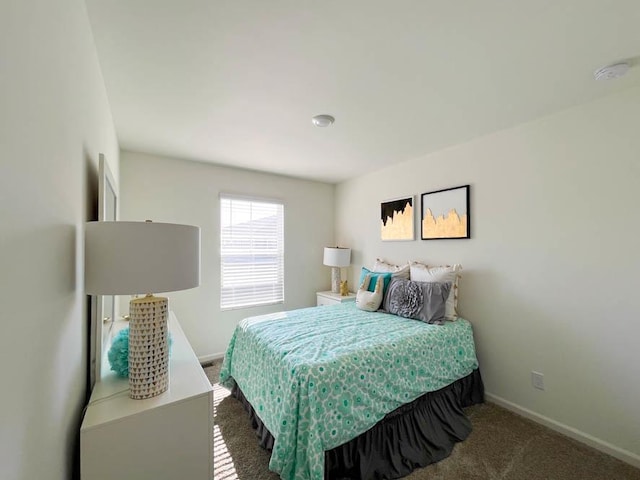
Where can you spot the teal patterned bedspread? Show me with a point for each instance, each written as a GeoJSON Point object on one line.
{"type": "Point", "coordinates": [318, 377]}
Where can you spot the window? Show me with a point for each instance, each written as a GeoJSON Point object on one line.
{"type": "Point", "coordinates": [251, 252]}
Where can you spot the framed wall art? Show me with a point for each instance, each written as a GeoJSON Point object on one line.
{"type": "Point", "coordinates": [445, 214]}
{"type": "Point", "coordinates": [396, 219]}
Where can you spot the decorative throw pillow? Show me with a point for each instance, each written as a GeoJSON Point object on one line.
{"type": "Point", "coordinates": [374, 278]}
{"type": "Point", "coordinates": [118, 354]}
{"type": "Point", "coordinates": [425, 301]}
{"type": "Point", "coordinates": [366, 300]}
{"type": "Point", "coordinates": [396, 270]}
{"type": "Point", "coordinates": [423, 273]}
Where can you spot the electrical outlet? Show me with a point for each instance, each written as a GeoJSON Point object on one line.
{"type": "Point", "coordinates": [537, 380]}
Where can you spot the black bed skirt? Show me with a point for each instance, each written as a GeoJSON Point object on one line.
{"type": "Point", "coordinates": [413, 436]}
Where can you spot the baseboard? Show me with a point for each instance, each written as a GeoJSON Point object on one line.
{"type": "Point", "coordinates": [210, 358]}
{"type": "Point", "coordinates": [606, 447]}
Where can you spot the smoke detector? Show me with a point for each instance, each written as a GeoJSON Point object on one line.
{"type": "Point", "coordinates": [323, 120]}
{"type": "Point", "coordinates": [611, 71]}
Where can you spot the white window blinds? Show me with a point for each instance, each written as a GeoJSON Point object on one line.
{"type": "Point", "coordinates": [251, 252]}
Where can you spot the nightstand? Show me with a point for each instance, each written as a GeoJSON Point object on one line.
{"type": "Point", "coordinates": [330, 298]}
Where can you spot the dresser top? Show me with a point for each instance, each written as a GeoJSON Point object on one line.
{"type": "Point", "coordinates": [110, 396]}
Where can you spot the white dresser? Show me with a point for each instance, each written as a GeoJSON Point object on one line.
{"type": "Point", "coordinates": [167, 437]}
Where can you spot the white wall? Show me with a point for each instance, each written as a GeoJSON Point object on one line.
{"type": "Point", "coordinates": [54, 120]}
{"type": "Point", "coordinates": [550, 280]}
{"type": "Point", "coordinates": [179, 191]}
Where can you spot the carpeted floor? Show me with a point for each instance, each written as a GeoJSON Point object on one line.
{"type": "Point", "coordinates": [502, 446]}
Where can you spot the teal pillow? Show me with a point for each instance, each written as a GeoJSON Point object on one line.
{"type": "Point", "coordinates": [374, 279]}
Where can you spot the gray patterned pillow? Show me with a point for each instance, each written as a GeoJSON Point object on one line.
{"type": "Point", "coordinates": [423, 301]}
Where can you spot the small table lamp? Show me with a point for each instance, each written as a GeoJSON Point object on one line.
{"type": "Point", "coordinates": [127, 258]}
{"type": "Point", "coordinates": [336, 257]}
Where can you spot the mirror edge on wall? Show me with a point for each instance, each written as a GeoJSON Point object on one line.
{"type": "Point", "coordinates": [103, 307]}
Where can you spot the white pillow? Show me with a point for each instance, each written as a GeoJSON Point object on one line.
{"type": "Point", "coordinates": [397, 270]}
{"type": "Point", "coordinates": [423, 273]}
{"type": "Point", "coordinates": [370, 301]}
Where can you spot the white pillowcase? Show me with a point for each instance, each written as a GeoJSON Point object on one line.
{"type": "Point", "coordinates": [397, 270]}
{"type": "Point", "coordinates": [423, 273]}
{"type": "Point", "coordinates": [370, 301]}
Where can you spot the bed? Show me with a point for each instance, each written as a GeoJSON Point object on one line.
{"type": "Point", "coordinates": [330, 386]}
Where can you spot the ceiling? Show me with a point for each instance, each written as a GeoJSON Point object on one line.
{"type": "Point", "coordinates": [237, 82]}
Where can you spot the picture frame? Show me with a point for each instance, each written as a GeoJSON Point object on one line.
{"type": "Point", "coordinates": [445, 214]}
{"type": "Point", "coordinates": [397, 219]}
{"type": "Point", "coordinates": [103, 307]}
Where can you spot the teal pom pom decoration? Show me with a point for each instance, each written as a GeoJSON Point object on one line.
{"type": "Point", "coordinates": [118, 354]}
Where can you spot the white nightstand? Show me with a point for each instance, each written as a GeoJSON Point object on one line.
{"type": "Point", "coordinates": [330, 298]}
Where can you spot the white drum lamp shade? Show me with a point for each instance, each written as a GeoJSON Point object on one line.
{"type": "Point", "coordinates": [336, 258]}
{"type": "Point", "coordinates": [128, 258]}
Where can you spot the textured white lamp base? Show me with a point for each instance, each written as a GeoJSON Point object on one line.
{"type": "Point", "coordinates": [335, 279]}
{"type": "Point", "coordinates": [148, 347]}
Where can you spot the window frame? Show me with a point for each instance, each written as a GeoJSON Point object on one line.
{"type": "Point", "coordinates": [279, 250]}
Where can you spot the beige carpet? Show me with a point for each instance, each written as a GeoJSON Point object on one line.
{"type": "Point", "coordinates": [502, 446]}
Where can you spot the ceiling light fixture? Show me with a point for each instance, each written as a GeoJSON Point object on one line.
{"type": "Point", "coordinates": [323, 120]}
{"type": "Point", "coordinates": [611, 71]}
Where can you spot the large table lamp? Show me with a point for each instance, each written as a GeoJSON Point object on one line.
{"type": "Point", "coordinates": [130, 258]}
{"type": "Point", "coordinates": [336, 258]}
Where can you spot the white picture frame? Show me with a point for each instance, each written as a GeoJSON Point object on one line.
{"type": "Point", "coordinates": [397, 219]}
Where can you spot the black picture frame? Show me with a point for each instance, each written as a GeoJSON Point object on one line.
{"type": "Point", "coordinates": [445, 214]}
